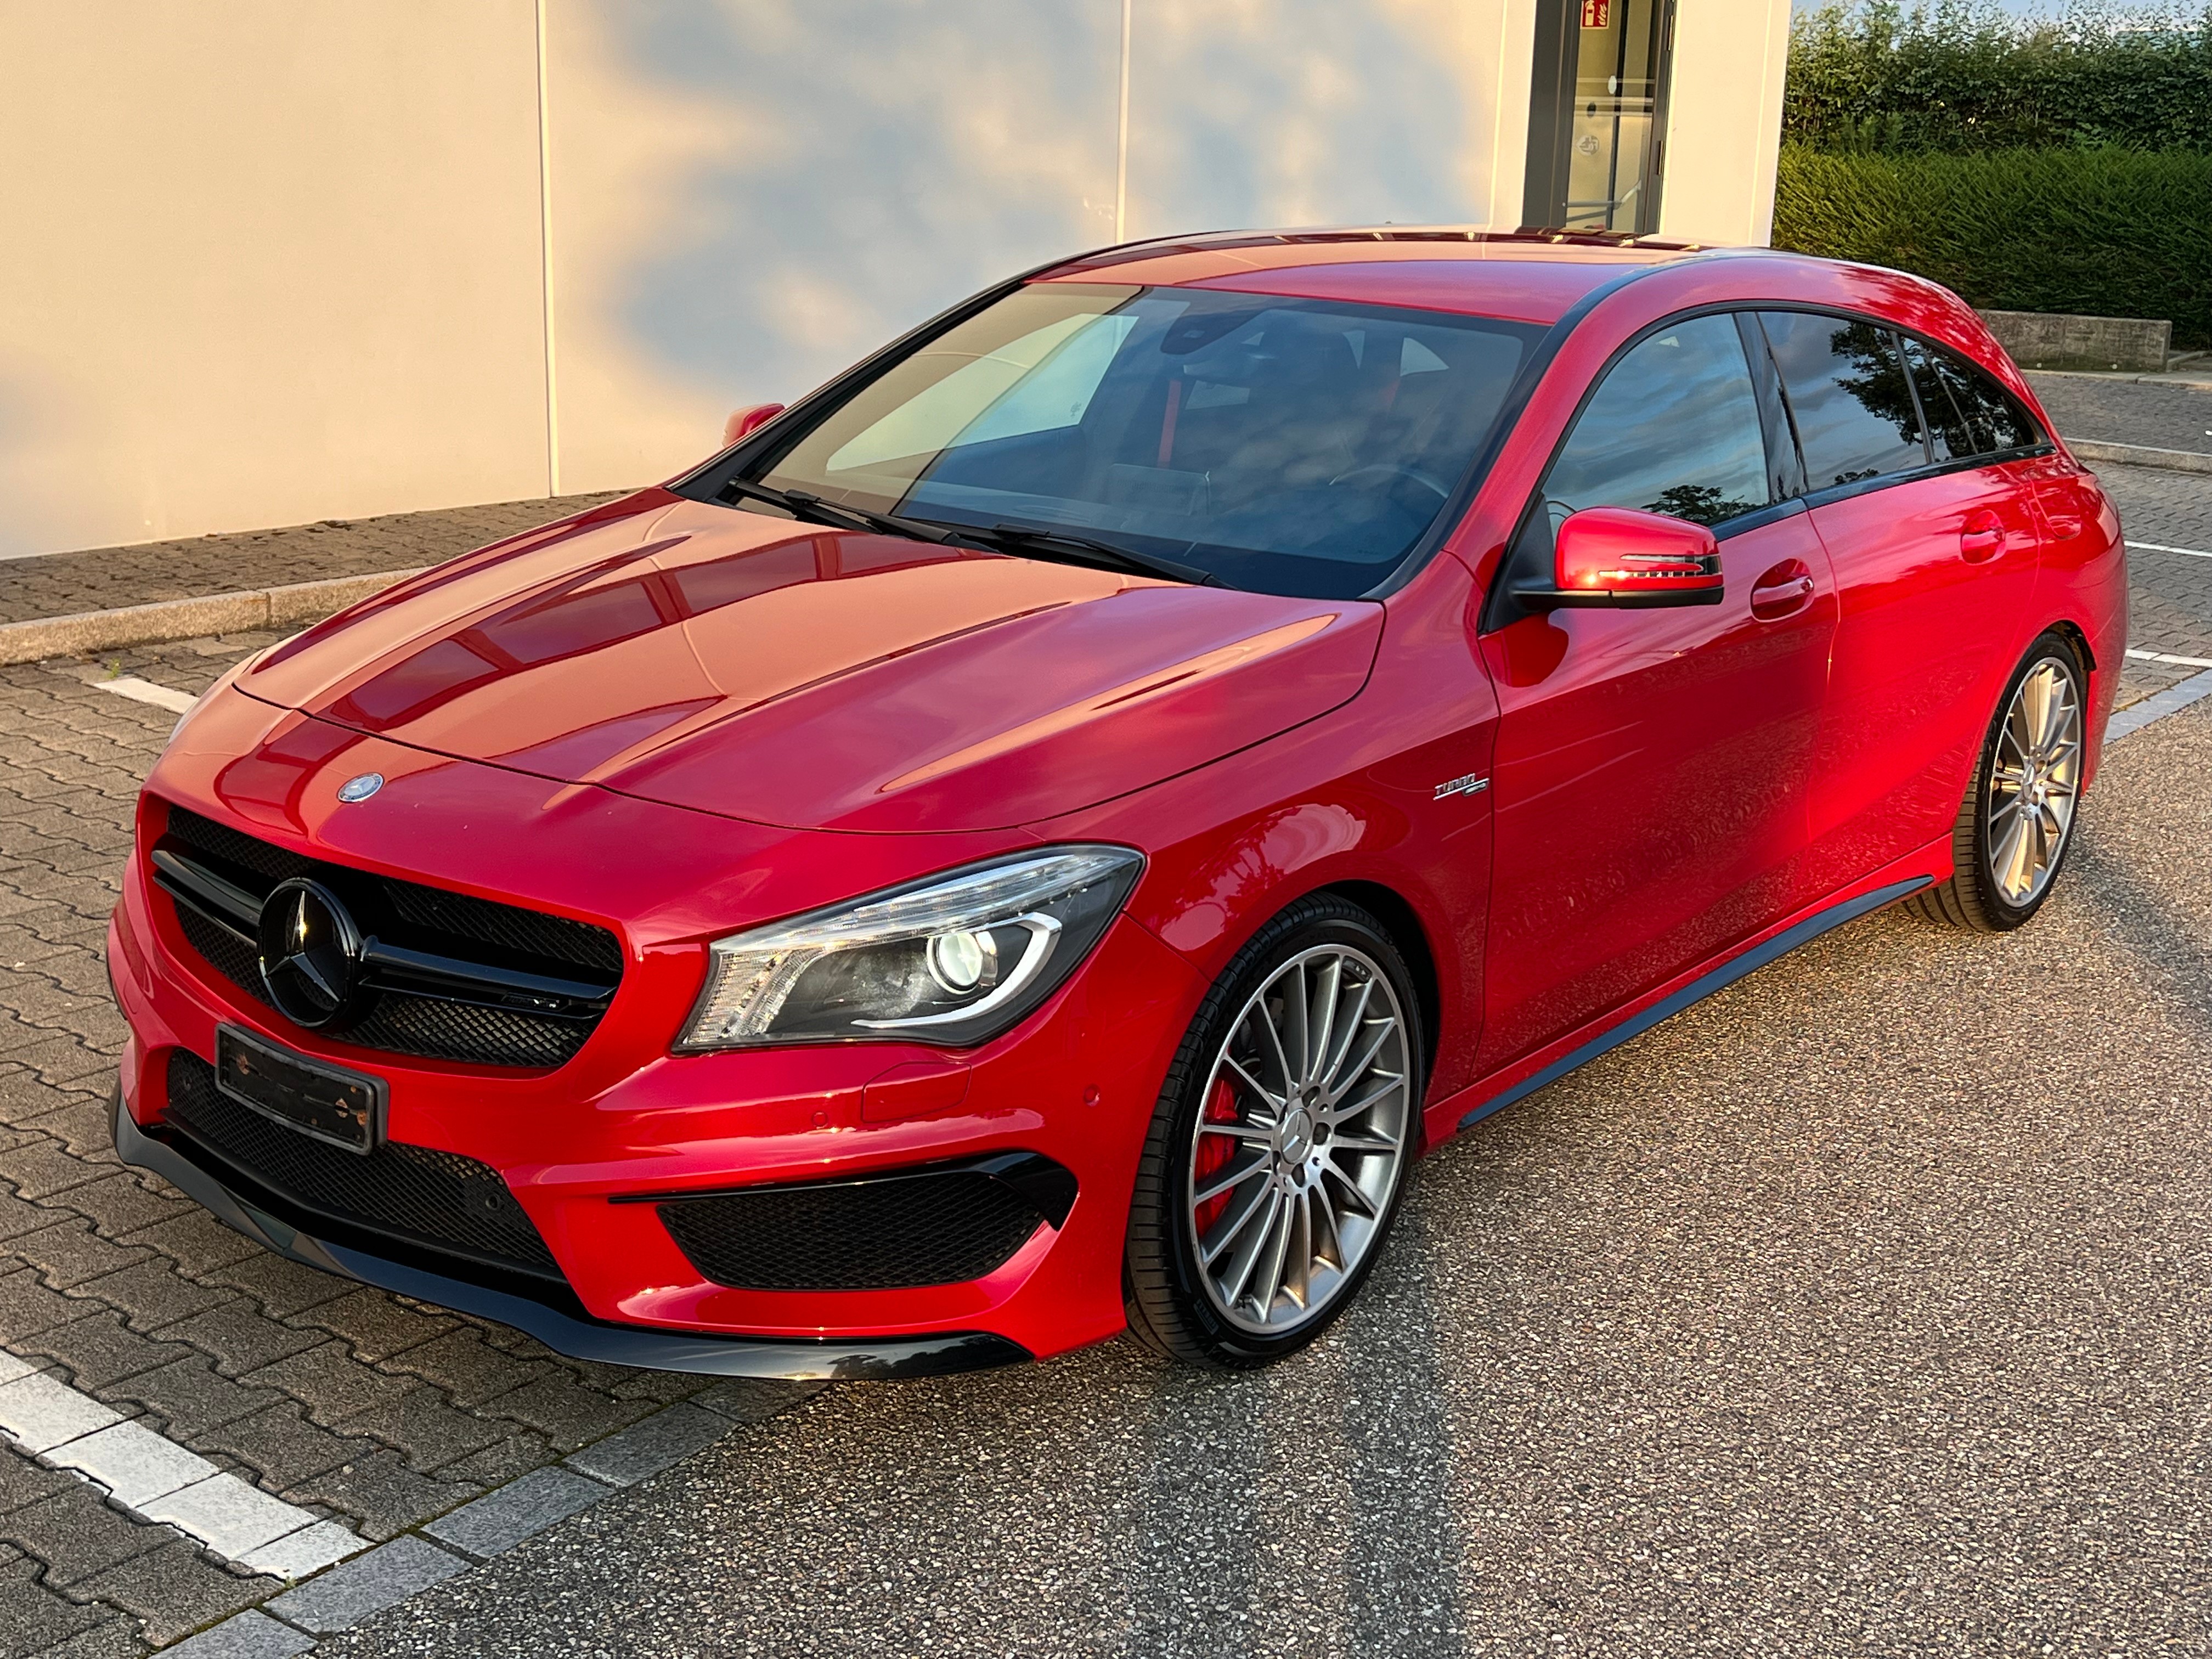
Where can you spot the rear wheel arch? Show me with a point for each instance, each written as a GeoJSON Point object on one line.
{"type": "Point", "coordinates": [2077, 637]}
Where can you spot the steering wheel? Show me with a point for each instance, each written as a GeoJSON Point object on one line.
{"type": "Point", "coordinates": [1384, 471]}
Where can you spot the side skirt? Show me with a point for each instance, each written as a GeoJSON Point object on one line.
{"type": "Point", "coordinates": [1715, 979]}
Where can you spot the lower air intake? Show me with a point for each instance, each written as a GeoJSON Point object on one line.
{"type": "Point", "coordinates": [439, 1201]}
{"type": "Point", "coordinates": [940, 1225]}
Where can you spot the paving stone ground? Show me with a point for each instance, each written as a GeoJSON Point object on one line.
{"type": "Point", "coordinates": [2170, 594]}
{"type": "Point", "coordinates": [349, 1402]}
{"type": "Point", "coordinates": [107, 578]}
{"type": "Point", "coordinates": [2160, 415]}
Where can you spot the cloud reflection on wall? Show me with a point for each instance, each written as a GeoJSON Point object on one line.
{"type": "Point", "coordinates": [1308, 112]}
{"type": "Point", "coordinates": [905, 154]}
{"type": "Point", "coordinates": [829, 173]}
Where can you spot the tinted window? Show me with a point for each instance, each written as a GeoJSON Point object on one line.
{"type": "Point", "coordinates": [1951, 432]}
{"type": "Point", "coordinates": [1672, 428]}
{"type": "Point", "coordinates": [1848, 397]}
{"type": "Point", "coordinates": [1969, 413]}
{"type": "Point", "coordinates": [1289, 446]}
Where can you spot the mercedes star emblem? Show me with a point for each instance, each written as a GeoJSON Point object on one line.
{"type": "Point", "coordinates": [360, 788]}
{"type": "Point", "coordinates": [311, 955]}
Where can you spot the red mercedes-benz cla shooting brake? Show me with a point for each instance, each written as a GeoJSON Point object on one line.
{"type": "Point", "coordinates": [1033, 839]}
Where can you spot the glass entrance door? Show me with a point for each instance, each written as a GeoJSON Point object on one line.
{"type": "Point", "coordinates": [1597, 113]}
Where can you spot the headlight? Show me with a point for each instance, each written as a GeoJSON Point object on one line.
{"type": "Point", "coordinates": [955, 959]}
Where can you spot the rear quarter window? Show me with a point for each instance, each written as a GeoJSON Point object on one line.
{"type": "Point", "coordinates": [1848, 397]}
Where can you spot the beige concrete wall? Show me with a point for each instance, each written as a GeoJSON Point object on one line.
{"type": "Point", "coordinates": [748, 195]}
{"type": "Point", "coordinates": [1724, 120]}
{"type": "Point", "coordinates": [267, 261]}
{"type": "Point", "coordinates": [1318, 113]}
{"type": "Point", "coordinates": [270, 261]}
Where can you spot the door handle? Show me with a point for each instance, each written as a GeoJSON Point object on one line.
{"type": "Point", "coordinates": [1782, 590]}
{"type": "Point", "coordinates": [1984, 537]}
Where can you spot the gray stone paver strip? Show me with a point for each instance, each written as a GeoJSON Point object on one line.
{"type": "Point", "coordinates": [665, 1438]}
{"type": "Point", "coordinates": [522, 1508]}
{"type": "Point", "coordinates": [352, 1590]}
{"type": "Point", "coordinates": [250, 1635]}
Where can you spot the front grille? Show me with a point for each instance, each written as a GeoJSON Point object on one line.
{"type": "Point", "coordinates": [457, 1023]}
{"type": "Point", "coordinates": [438, 1200]}
{"type": "Point", "coordinates": [933, 1226]}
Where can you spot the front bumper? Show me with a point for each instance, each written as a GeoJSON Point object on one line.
{"type": "Point", "coordinates": [836, 1358]}
{"type": "Point", "coordinates": [581, 1145]}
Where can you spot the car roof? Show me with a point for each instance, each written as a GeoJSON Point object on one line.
{"type": "Point", "coordinates": [1532, 276]}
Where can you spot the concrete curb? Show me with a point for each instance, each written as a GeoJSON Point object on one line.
{"type": "Point", "coordinates": [2194, 375]}
{"type": "Point", "coordinates": [2173, 460]}
{"type": "Point", "coordinates": [184, 619]}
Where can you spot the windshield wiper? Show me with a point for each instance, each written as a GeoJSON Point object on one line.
{"type": "Point", "coordinates": [1061, 545]}
{"type": "Point", "coordinates": [1083, 550]}
{"type": "Point", "coordinates": [805, 504]}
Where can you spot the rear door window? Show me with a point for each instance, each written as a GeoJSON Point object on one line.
{"type": "Point", "coordinates": [1674, 428]}
{"type": "Point", "coordinates": [1848, 397]}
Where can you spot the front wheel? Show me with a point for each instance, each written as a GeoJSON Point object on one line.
{"type": "Point", "coordinates": [2017, 822]}
{"type": "Point", "coordinates": [1279, 1149]}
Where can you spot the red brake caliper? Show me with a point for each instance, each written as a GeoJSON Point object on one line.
{"type": "Point", "coordinates": [1214, 1152]}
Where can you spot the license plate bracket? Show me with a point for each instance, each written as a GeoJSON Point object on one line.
{"type": "Point", "coordinates": [326, 1102]}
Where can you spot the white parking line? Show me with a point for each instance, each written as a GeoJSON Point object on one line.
{"type": "Point", "coordinates": [2167, 656]}
{"type": "Point", "coordinates": [155, 1477]}
{"type": "Point", "coordinates": [2187, 552]}
{"type": "Point", "coordinates": [138, 690]}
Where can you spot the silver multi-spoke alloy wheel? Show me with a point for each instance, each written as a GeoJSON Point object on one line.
{"type": "Point", "coordinates": [1295, 1157]}
{"type": "Point", "coordinates": [2035, 773]}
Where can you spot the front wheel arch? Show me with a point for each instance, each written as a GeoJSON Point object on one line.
{"type": "Point", "coordinates": [1402, 922]}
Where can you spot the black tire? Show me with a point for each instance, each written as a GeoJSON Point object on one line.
{"type": "Point", "coordinates": [1973, 898]}
{"type": "Point", "coordinates": [1169, 1308]}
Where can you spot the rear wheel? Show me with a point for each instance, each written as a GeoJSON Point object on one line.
{"type": "Point", "coordinates": [1279, 1149]}
{"type": "Point", "coordinates": [2017, 822]}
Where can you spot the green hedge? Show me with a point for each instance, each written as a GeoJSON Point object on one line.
{"type": "Point", "coordinates": [1961, 75]}
{"type": "Point", "coordinates": [2105, 233]}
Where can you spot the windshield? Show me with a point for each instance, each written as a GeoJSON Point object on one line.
{"type": "Point", "coordinates": [1284, 446]}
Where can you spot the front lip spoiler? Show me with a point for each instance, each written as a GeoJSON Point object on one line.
{"type": "Point", "coordinates": [833, 1359]}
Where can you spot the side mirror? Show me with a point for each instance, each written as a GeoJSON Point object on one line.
{"type": "Point", "coordinates": [743, 423]}
{"type": "Point", "coordinates": [1617, 555]}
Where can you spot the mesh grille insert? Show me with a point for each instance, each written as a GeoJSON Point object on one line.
{"type": "Point", "coordinates": [227, 954]}
{"type": "Point", "coordinates": [439, 1200]}
{"type": "Point", "coordinates": [456, 925]}
{"type": "Point", "coordinates": [937, 1227]}
{"type": "Point", "coordinates": [459, 1030]}
{"type": "Point", "coordinates": [220, 840]}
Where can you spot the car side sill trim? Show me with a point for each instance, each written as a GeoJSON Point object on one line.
{"type": "Point", "coordinates": [833, 1359]}
{"type": "Point", "coordinates": [1699, 989]}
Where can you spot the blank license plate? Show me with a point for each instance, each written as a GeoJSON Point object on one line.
{"type": "Point", "coordinates": [343, 1108]}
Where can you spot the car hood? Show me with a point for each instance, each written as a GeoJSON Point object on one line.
{"type": "Point", "coordinates": [734, 663]}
